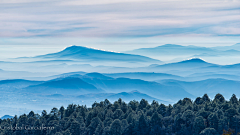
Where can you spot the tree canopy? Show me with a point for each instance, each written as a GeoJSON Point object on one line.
{"type": "Point", "coordinates": [186, 117]}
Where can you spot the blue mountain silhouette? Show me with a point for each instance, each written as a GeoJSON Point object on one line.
{"type": "Point", "coordinates": [172, 49]}
{"type": "Point", "coordinates": [68, 85]}
{"type": "Point", "coordinates": [209, 86]}
{"type": "Point", "coordinates": [224, 48]}
{"type": "Point", "coordinates": [6, 117]}
{"type": "Point", "coordinates": [186, 64]}
{"type": "Point", "coordinates": [126, 85]}
{"type": "Point", "coordinates": [125, 96]}
{"type": "Point", "coordinates": [89, 54]}
{"type": "Point", "coordinates": [148, 76]}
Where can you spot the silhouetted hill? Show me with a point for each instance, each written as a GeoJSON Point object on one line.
{"type": "Point", "coordinates": [126, 96]}
{"type": "Point", "coordinates": [69, 86]}
{"type": "Point", "coordinates": [89, 54]}
{"type": "Point", "coordinates": [212, 75]}
{"type": "Point", "coordinates": [148, 76]}
{"type": "Point", "coordinates": [6, 117]}
{"type": "Point", "coordinates": [16, 84]}
{"type": "Point", "coordinates": [126, 85]}
{"type": "Point", "coordinates": [233, 47]}
{"type": "Point", "coordinates": [209, 86]}
{"type": "Point", "coordinates": [171, 49]}
{"type": "Point", "coordinates": [186, 64]}
{"type": "Point", "coordinates": [20, 81]}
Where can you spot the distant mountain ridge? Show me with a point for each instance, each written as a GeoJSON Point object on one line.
{"type": "Point", "coordinates": [172, 53]}
{"type": "Point", "coordinates": [14, 84]}
{"type": "Point", "coordinates": [148, 76]}
{"type": "Point", "coordinates": [126, 96]}
{"type": "Point", "coordinates": [126, 85]}
{"type": "Point", "coordinates": [89, 54]}
{"type": "Point", "coordinates": [68, 85]}
{"type": "Point", "coordinates": [171, 49]}
{"type": "Point", "coordinates": [186, 64]}
{"type": "Point", "coordinates": [209, 86]}
{"type": "Point", "coordinates": [6, 117]}
{"type": "Point", "coordinates": [99, 83]}
{"type": "Point", "coordinates": [232, 47]}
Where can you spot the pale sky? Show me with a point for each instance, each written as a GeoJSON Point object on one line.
{"type": "Point", "coordinates": [117, 25]}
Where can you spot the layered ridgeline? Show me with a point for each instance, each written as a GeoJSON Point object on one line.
{"type": "Point", "coordinates": [202, 116]}
{"type": "Point", "coordinates": [78, 58]}
{"type": "Point", "coordinates": [85, 54]}
{"type": "Point", "coordinates": [191, 50]}
{"type": "Point", "coordinates": [193, 69]}
{"type": "Point", "coordinates": [172, 52]}
{"type": "Point", "coordinates": [73, 58]}
{"type": "Point", "coordinates": [85, 88]}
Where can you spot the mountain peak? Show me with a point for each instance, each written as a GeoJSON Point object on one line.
{"type": "Point", "coordinates": [75, 48]}
{"type": "Point", "coordinates": [80, 48]}
{"type": "Point", "coordinates": [6, 117]}
{"type": "Point", "coordinates": [198, 60]}
{"type": "Point", "coordinates": [169, 45]}
{"type": "Point", "coordinates": [85, 54]}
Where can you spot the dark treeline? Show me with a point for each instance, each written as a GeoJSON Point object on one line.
{"type": "Point", "coordinates": [200, 117]}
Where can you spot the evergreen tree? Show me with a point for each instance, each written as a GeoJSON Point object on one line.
{"type": "Point", "coordinates": [99, 129]}
{"type": "Point", "coordinates": [213, 121]}
{"type": "Point", "coordinates": [75, 128]}
{"type": "Point", "coordinates": [205, 98]}
{"type": "Point", "coordinates": [198, 125]}
{"type": "Point", "coordinates": [156, 124]}
{"type": "Point", "coordinates": [219, 98]}
{"type": "Point", "coordinates": [143, 104]}
{"type": "Point", "coordinates": [117, 114]}
{"type": "Point", "coordinates": [94, 123]}
{"type": "Point", "coordinates": [162, 109]}
{"type": "Point", "coordinates": [142, 126]}
{"type": "Point", "coordinates": [233, 99]}
{"type": "Point", "coordinates": [61, 112]}
{"type": "Point", "coordinates": [203, 116]}
{"type": "Point", "coordinates": [115, 128]}
{"type": "Point", "coordinates": [133, 104]}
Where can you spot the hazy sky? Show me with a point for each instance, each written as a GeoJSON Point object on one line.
{"type": "Point", "coordinates": [119, 24]}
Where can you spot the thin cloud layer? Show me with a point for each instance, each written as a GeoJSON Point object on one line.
{"type": "Point", "coordinates": [125, 18]}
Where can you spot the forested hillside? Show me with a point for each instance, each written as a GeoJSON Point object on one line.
{"type": "Point", "coordinates": [200, 117]}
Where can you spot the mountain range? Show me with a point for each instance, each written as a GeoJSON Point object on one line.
{"type": "Point", "coordinates": [209, 86]}
{"type": "Point", "coordinates": [153, 89]}
{"type": "Point", "coordinates": [171, 49]}
{"type": "Point", "coordinates": [126, 96]}
{"type": "Point", "coordinates": [6, 117]}
{"type": "Point", "coordinates": [67, 86]}
{"type": "Point", "coordinates": [225, 48]}
{"type": "Point", "coordinates": [81, 53]}
{"type": "Point", "coordinates": [94, 83]}
{"type": "Point", "coordinates": [147, 76]}
{"type": "Point", "coordinates": [83, 75]}
{"type": "Point", "coordinates": [186, 64]}
{"type": "Point", "coordinates": [173, 53]}
{"type": "Point", "coordinates": [99, 83]}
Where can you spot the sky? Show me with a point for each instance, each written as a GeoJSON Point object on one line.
{"type": "Point", "coordinates": [117, 25]}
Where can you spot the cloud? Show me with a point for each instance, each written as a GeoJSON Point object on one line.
{"type": "Point", "coordinates": [118, 18]}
